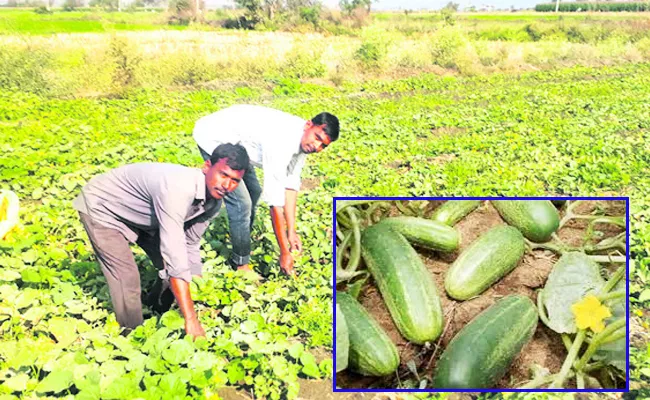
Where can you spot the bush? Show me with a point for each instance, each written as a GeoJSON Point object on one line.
{"type": "Point", "coordinates": [181, 12]}
{"type": "Point", "coordinates": [24, 69]}
{"type": "Point", "coordinates": [643, 46]}
{"type": "Point", "coordinates": [303, 62]}
{"type": "Point", "coordinates": [445, 45]}
{"type": "Point", "coordinates": [191, 70]}
{"type": "Point", "coordinates": [374, 48]}
{"type": "Point", "coordinates": [42, 10]}
{"type": "Point", "coordinates": [310, 14]}
{"type": "Point", "coordinates": [125, 62]}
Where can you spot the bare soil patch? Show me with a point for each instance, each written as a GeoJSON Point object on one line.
{"type": "Point", "coordinates": [545, 349]}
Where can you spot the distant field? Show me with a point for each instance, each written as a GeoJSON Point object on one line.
{"type": "Point", "coordinates": [513, 16]}
{"type": "Point", "coordinates": [27, 21]}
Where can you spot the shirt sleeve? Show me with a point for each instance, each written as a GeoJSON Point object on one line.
{"type": "Point", "coordinates": [275, 178]}
{"type": "Point", "coordinates": [193, 237]}
{"type": "Point", "coordinates": [170, 209]}
{"type": "Point", "coordinates": [294, 170]}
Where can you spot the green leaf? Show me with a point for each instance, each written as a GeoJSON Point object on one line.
{"type": "Point", "coordinates": [30, 275]}
{"type": "Point", "coordinates": [93, 315]}
{"type": "Point", "coordinates": [30, 256]}
{"type": "Point", "coordinates": [76, 307]}
{"type": "Point", "coordinates": [172, 320]}
{"type": "Point", "coordinates": [202, 361]}
{"type": "Point", "coordinates": [645, 295]}
{"type": "Point", "coordinates": [306, 358]}
{"type": "Point", "coordinates": [615, 353]}
{"type": "Point", "coordinates": [37, 194]}
{"type": "Point", "coordinates": [9, 275]}
{"type": "Point", "coordinates": [63, 330]}
{"type": "Point", "coordinates": [249, 326]}
{"type": "Point", "coordinates": [572, 277]}
{"type": "Point", "coordinates": [311, 370]}
{"type": "Point", "coordinates": [179, 352]}
{"type": "Point", "coordinates": [17, 383]}
{"type": "Point", "coordinates": [121, 388]}
{"type": "Point", "coordinates": [56, 381]}
{"type": "Point", "coordinates": [296, 350]}
{"type": "Point", "coordinates": [236, 373]}
{"type": "Point", "coordinates": [172, 386]}
{"type": "Point", "coordinates": [35, 314]}
{"type": "Point", "coordinates": [89, 382]}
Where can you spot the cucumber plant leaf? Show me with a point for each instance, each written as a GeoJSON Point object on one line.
{"type": "Point", "coordinates": [55, 382]}
{"type": "Point", "coordinates": [572, 277]}
{"type": "Point", "coordinates": [615, 353]}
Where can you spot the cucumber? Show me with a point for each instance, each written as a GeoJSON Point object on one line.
{"type": "Point", "coordinates": [485, 261]}
{"type": "Point", "coordinates": [481, 353]}
{"type": "Point", "coordinates": [453, 211]}
{"type": "Point", "coordinates": [425, 232]}
{"type": "Point", "coordinates": [371, 351]}
{"type": "Point", "coordinates": [342, 341]}
{"type": "Point", "coordinates": [405, 284]}
{"type": "Point", "coordinates": [536, 219]}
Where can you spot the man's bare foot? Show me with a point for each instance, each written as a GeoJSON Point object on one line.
{"type": "Point", "coordinates": [245, 267]}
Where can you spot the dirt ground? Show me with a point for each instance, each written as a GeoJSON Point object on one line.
{"type": "Point", "coordinates": [545, 349]}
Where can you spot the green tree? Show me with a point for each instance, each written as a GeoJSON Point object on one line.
{"type": "Point", "coordinates": [347, 6]}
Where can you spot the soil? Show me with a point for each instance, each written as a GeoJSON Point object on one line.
{"type": "Point", "coordinates": [545, 349]}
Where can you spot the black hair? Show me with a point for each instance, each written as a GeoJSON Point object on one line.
{"type": "Point", "coordinates": [235, 155]}
{"type": "Point", "coordinates": [331, 124]}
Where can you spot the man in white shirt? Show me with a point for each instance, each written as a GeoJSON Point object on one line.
{"type": "Point", "coordinates": [278, 142]}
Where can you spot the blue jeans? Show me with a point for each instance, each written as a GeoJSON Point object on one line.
{"type": "Point", "coordinates": [240, 206]}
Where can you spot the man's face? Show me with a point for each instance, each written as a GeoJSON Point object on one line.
{"type": "Point", "coordinates": [220, 179]}
{"type": "Point", "coordinates": [314, 138]}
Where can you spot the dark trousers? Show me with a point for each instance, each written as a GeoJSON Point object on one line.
{"type": "Point", "coordinates": [240, 206]}
{"type": "Point", "coordinates": [122, 276]}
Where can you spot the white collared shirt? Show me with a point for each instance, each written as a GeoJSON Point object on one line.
{"type": "Point", "coordinates": [271, 138]}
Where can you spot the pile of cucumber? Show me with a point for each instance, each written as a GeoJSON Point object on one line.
{"type": "Point", "coordinates": [481, 353]}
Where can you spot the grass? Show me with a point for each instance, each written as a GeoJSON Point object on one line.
{"type": "Point", "coordinates": [576, 131]}
{"type": "Point", "coordinates": [28, 22]}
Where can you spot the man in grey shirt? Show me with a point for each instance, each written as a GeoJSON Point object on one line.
{"type": "Point", "coordinates": [165, 209]}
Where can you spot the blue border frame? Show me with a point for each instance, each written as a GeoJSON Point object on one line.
{"type": "Point", "coordinates": [392, 390]}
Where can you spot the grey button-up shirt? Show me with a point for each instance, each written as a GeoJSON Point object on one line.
{"type": "Point", "coordinates": [150, 197]}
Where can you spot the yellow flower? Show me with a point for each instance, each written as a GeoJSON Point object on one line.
{"type": "Point", "coordinates": [590, 313]}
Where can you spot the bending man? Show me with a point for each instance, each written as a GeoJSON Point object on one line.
{"type": "Point", "coordinates": [165, 209]}
{"type": "Point", "coordinates": [278, 143]}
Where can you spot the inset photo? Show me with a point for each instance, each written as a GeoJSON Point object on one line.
{"type": "Point", "coordinates": [481, 294]}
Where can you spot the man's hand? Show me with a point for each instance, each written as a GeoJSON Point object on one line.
{"type": "Point", "coordinates": [294, 242]}
{"type": "Point", "coordinates": [193, 327]}
{"type": "Point", "coordinates": [286, 263]}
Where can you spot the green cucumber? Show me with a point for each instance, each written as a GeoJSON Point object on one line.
{"type": "Point", "coordinates": [536, 219]}
{"type": "Point", "coordinates": [481, 353]}
{"type": "Point", "coordinates": [405, 284]}
{"type": "Point", "coordinates": [371, 351]}
{"type": "Point", "coordinates": [453, 211]}
{"type": "Point", "coordinates": [485, 261]}
{"type": "Point", "coordinates": [342, 341]}
{"type": "Point", "coordinates": [425, 232]}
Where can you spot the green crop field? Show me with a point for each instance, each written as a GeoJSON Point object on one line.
{"type": "Point", "coordinates": [474, 118]}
